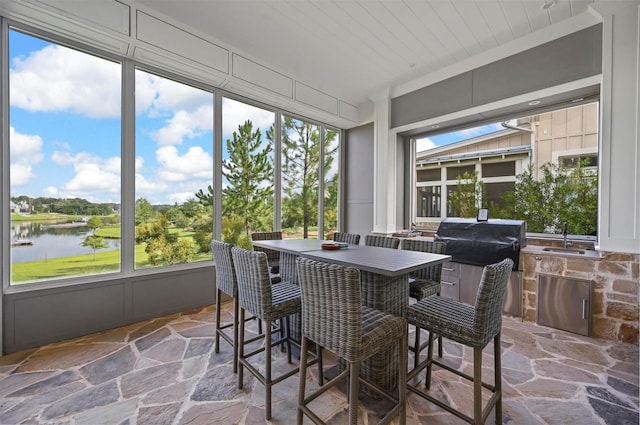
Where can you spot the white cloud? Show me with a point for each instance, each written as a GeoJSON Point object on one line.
{"type": "Point", "coordinates": [25, 148]}
{"type": "Point", "coordinates": [93, 177]}
{"type": "Point", "coordinates": [57, 78]}
{"type": "Point", "coordinates": [147, 187]}
{"type": "Point", "coordinates": [188, 111]}
{"type": "Point", "coordinates": [62, 158]}
{"type": "Point", "coordinates": [186, 124]}
{"type": "Point", "coordinates": [139, 163]}
{"type": "Point", "coordinates": [25, 151]}
{"type": "Point", "coordinates": [93, 174]}
{"type": "Point", "coordinates": [196, 163]}
{"type": "Point", "coordinates": [235, 113]}
{"type": "Point", "coordinates": [182, 197]}
{"type": "Point", "coordinates": [50, 192]}
{"type": "Point", "coordinates": [21, 174]}
{"type": "Point", "coordinates": [424, 144]}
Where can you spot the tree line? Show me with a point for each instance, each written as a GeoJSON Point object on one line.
{"type": "Point", "coordinates": [68, 206]}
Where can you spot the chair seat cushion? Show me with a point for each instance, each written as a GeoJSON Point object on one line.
{"type": "Point", "coordinates": [448, 318]}
{"type": "Point", "coordinates": [420, 289]}
{"type": "Point", "coordinates": [285, 298]}
{"type": "Point", "coordinates": [379, 330]}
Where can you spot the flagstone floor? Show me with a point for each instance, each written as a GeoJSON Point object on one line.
{"type": "Point", "coordinates": [165, 371]}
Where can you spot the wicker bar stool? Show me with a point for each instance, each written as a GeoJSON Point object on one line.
{"type": "Point", "coordinates": [272, 256]}
{"type": "Point", "coordinates": [226, 283]}
{"type": "Point", "coordinates": [473, 326]}
{"type": "Point", "coordinates": [382, 241]}
{"type": "Point", "coordinates": [352, 238]}
{"type": "Point", "coordinates": [424, 283]}
{"type": "Point", "coordinates": [270, 303]}
{"type": "Point", "coordinates": [333, 317]}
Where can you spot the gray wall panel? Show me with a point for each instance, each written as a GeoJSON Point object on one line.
{"type": "Point", "coordinates": [569, 58]}
{"type": "Point", "coordinates": [55, 315]}
{"type": "Point", "coordinates": [566, 59]}
{"type": "Point", "coordinates": [175, 292]}
{"type": "Point", "coordinates": [444, 97]}
{"type": "Point", "coordinates": [34, 318]}
{"type": "Point", "coordinates": [359, 180]}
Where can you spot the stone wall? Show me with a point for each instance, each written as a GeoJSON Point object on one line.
{"type": "Point", "coordinates": [615, 288]}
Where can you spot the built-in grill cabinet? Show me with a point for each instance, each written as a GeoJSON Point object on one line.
{"type": "Point", "coordinates": [474, 244]}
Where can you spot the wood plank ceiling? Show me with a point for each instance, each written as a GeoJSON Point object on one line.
{"type": "Point", "coordinates": [358, 48]}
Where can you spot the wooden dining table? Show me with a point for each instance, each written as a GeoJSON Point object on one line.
{"type": "Point", "coordinates": [384, 275]}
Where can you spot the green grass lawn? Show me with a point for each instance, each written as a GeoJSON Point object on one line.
{"type": "Point", "coordinates": [45, 217]}
{"type": "Point", "coordinates": [79, 265]}
{"type": "Point", "coordinates": [108, 232]}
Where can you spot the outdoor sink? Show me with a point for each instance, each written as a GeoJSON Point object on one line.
{"type": "Point", "coordinates": [564, 250]}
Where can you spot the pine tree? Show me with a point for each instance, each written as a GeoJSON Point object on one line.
{"type": "Point", "coordinates": [249, 173]}
{"type": "Point", "coordinates": [300, 172]}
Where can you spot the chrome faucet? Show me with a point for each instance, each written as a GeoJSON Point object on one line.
{"type": "Point", "coordinates": [564, 235]}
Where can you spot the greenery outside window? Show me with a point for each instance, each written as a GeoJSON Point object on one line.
{"type": "Point", "coordinates": [248, 171]}
{"type": "Point", "coordinates": [174, 161]}
{"type": "Point", "coordinates": [65, 138]}
{"type": "Point", "coordinates": [301, 148]}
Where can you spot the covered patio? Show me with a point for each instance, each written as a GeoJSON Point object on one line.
{"type": "Point", "coordinates": [164, 371]}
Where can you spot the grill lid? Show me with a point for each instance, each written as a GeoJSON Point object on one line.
{"type": "Point", "coordinates": [482, 242]}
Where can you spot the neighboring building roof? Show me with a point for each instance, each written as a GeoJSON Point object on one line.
{"type": "Point", "coordinates": [479, 154]}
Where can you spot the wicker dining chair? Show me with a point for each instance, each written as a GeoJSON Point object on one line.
{"type": "Point", "coordinates": [424, 283]}
{"type": "Point", "coordinates": [333, 317]}
{"type": "Point", "coordinates": [382, 241]}
{"type": "Point", "coordinates": [472, 326]}
{"type": "Point", "coordinates": [352, 238]}
{"type": "Point", "coordinates": [269, 303]}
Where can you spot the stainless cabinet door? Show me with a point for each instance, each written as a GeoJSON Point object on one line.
{"type": "Point", "coordinates": [564, 303]}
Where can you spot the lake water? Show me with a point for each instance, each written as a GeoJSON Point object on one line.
{"type": "Point", "coordinates": [51, 241]}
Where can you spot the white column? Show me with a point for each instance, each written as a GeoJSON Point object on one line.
{"type": "Point", "coordinates": [619, 172]}
{"type": "Point", "coordinates": [384, 167]}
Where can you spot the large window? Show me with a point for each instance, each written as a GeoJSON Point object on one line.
{"type": "Point", "coordinates": [174, 162]}
{"type": "Point", "coordinates": [331, 182]}
{"type": "Point", "coordinates": [247, 171]}
{"type": "Point", "coordinates": [539, 168]}
{"type": "Point", "coordinates": [64, 161]}
{"type": "Point", "coordinates": [301, 147]}
{"type": "Point", "coordinates": [94, 192]}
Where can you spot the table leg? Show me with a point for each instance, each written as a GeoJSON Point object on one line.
{"type": "Point", "coordinates": [391, 295]}
{"type": "Point", "coordinates": [289, 273]}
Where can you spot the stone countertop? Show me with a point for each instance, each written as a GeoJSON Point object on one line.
{"type": "Point", "coordinates": [571, 251]}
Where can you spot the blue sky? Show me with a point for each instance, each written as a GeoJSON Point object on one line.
{"type": "Point", "coordinates": [65, 127]}
{"type": "Point", "coordinates": [455, 136]}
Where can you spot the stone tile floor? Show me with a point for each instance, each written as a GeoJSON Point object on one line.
{"type": "Point", "coordinates": [164, 371]}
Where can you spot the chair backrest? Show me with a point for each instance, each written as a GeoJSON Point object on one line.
{"type": "Point", "coordinates": [432, 273]}
{"type": "Point", "coordinates": [381, 241]}
{"type": "Point", "coordinates": [254, 285]}
{"type": "Point", "coordinates": [490, 299]}
{"type": "Point", "coordinates": [225, 270]}
{"type": "Point", "coordinates": [331, 306]}
{"type": "Point", "coordinates": [272, 255]}
{"type": "Point", "coordinates": [352, 238]}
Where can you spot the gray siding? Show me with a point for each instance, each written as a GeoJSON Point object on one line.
{"type": "Point", "coordinates": [39, 317]}
{"type": "Point", "coordinates": [359, 180]}
{"type": "Point", "coordinates": [563, 60]}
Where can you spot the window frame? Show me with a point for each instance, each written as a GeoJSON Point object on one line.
{"type": "Point", "coordinates": [127, 176]}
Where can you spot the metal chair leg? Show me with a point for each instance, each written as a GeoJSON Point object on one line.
{"type": "Point", "coordinates": [497, 366]}
{"type": "Point", "coordinates": [217, 343]}
{"type": "Point", "coordinates": [477, 386]}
